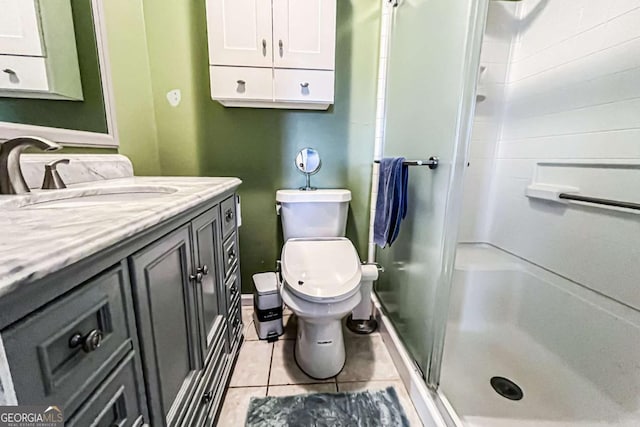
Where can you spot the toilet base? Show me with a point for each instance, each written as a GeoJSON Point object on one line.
{"type": "Point", "coordinates": [319, 349]}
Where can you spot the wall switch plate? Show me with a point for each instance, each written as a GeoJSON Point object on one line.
{"type": "Point", "coordinates": [174, 97]}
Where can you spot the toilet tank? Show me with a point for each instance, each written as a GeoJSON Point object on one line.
{"type": "Point", "coordinates": [317, 213]}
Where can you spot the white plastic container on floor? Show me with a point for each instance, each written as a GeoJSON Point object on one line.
{"type": "Point", "coordinates": [267, 306]}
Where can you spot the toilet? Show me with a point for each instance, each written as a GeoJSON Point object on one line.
{"type": "Point", "coordinates": [321, 275]}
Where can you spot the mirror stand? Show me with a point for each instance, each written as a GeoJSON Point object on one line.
{"type": "Point", "coordinates": [308, 162]}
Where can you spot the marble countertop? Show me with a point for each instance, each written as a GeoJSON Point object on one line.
{"type": "Point", "coordinates": [36, 240]}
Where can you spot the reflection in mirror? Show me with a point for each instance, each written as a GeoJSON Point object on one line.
{"type": "Point", "coordinates": [69, 98]}
{"type": "Point", "coordinates": [308, 162]}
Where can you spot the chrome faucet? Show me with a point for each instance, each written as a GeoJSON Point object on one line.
{"type": "Point", "coordinates": [11, 178]}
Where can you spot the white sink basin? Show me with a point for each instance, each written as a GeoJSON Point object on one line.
{"type": "Point", "coordinates": [91, 196]}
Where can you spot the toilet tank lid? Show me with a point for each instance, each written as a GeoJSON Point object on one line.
{"type": "Point", "coordinates": [323, 195]}
{"type": "Point", "coordinates": [265, 283]}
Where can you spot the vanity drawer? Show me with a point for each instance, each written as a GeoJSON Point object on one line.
{"type": "Point", "coordinates": [117, 402]}
{"type": "Point", "coordinates": [23, 73]}
{"type": "Point", "coordinates": [62, 352]}
{"type": "Point", "coordinates": [208, 394]}
{"type": "Point", "coordinates": [230, 255]}
{"type": "Point", "coordinates": [241, 83]}
{"type": "Point", "coordinates": [233, 291]}
{"type": "Point", "coordinates": [228, 215]}
{"type": "Point", "coordinates": [303, 85]}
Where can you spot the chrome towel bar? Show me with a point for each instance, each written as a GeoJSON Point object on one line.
{"type": "Point", "coordinates": [598, 201]}
{"type": "Point", "coordinates": [432, 162]}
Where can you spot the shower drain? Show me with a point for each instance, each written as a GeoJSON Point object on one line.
{"type": "Point", "coordinates": [506, 388]}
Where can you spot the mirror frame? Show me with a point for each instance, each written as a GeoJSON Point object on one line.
{"type": "Point", "coordinates": [79, 138]}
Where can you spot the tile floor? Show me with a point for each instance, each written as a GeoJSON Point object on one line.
{"type": "Point", "coordinates": [265, 369]}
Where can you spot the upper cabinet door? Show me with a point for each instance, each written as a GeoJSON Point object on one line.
{"type": "Point", "coordinates": [20, 28]}
{"type": "Point", "coordinates": [239, 32]}
{"type": "Point", "coordinates": [304, 34]}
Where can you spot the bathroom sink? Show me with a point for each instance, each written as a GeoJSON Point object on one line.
{"type": "Point", "coordinates": [92, 196]}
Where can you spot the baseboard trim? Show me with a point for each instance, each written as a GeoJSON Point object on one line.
{"type": "Point", "coordinates": [424, 400]}
{"type": "Point", "coordinates": [246, 299]}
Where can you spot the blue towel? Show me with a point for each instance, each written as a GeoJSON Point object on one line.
{"type": "Point", "coordinates": [391, 205]}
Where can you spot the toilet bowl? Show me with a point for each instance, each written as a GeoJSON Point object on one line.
{"type": "Point", "coordinates": [321, 280]}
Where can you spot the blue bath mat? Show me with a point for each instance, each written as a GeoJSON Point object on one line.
{"type": "Point", "coordinates": [360, 409]}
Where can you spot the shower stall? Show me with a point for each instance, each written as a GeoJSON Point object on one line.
{"type": "Point", "coordinates": [514, 285]}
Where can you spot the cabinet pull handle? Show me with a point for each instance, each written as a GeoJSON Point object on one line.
{"type": "Point", "coordinates": [304, 85]}
{"type": "Point", "coordinates": [204, 270]}
{"type": "Point", "coordinates": [90, 342]}
{"type": "Point", "coordinates": [281, 47]}
{"type": "Point", "coordinates": [232, 255]}
{"type": "Point", "coordinates": [9, 71]}
{"type": "Point", "coordinates": [264, 47]}
{"type": "Point", "coordinates": [228, 215]}
{"type": "Point", "coordinates": [207, 397]}
{"type": "Point", "coordinates": [241, 82]}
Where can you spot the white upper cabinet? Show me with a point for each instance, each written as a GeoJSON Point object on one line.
{"type": "Point", "coordinates": [240, 32]}
{"type": "Point", "coordinates": [272, 53]}
{"type": "Point", "coordinates": [38, 54]}
{"type": "Point", "coordinates": [304, 34]}
{"type": "Point", "coordinates": [19, 28]}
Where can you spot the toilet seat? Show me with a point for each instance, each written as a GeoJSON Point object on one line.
{"type": "Point", "coordinates": [321, 269]}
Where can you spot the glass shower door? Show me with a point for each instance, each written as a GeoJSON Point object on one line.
{"type": "Point", "coordinates": [432, 70]}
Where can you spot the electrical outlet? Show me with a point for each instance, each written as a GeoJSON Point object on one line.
{"type": "Point", "coordinates": [174, 97]}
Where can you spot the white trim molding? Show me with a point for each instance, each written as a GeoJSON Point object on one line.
{"type": "Point", "coordinates": [77, 138]}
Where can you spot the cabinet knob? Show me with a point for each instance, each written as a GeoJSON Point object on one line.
{"type": "Point", "coordinates": [242, 86]}
{"type": "Point", "coordinates": [196, 277]}
{"type": "Point", "coordinates": [232, 255]}
{"type": "Point", "coordinates": [207, 397]}
{"type": "Point", "coordinates": [204, 270]}
{"type": "Point", "coordinates": [264, 47]}
{"type": "Point", "coordinates": [90, 342]}
{"type": "Point", "coordinates": [228, 215]}
{"type": "Point", "coordinates": [304, 85]}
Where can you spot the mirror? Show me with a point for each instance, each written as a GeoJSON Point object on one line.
{"type": "Point", "coordinates": [76, 111]}
{"type": "Point", "coordinates": [308, 162]}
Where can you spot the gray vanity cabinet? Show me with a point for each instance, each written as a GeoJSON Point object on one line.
{"type": "Point", "coordinates": [143, 333]}
{"type": "Point", "coordinates": [166, 305]}
{"type": "Point", "coordinates": [182, 309]}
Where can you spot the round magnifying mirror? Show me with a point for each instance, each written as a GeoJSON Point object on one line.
{"type": "Point", "coordinates": [308, 161]}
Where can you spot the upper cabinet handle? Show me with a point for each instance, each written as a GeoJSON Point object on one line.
{"type": "Point", "coordinates": [264, 47]}
{"type": "Point", "coordinates": [281, 46]}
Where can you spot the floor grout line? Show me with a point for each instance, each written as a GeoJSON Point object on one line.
{"type": "Point", "coordinates": [273, 347]}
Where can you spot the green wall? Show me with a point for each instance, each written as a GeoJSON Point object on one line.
{"type": "Point", "coordinates": [131, 81]}
{"type": "Point", "coordinates": [89, 114]}
{"type": "Point", "coordinates": [200, 137]}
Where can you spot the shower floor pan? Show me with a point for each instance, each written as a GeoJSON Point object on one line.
{"type": "Point", "coordinates": [574, 353]}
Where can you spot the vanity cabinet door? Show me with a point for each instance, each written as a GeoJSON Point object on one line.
{"type": "Point", "coordinates": [304, 34]}
{"type": "Point", "coordinates": [20, 28]}
{"type": "Point", "coordinates": [206, 239]}
{"type": "Point", "coordinates": [166, 303]}
{"type": "Point", "coordinates": [239, 32]}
